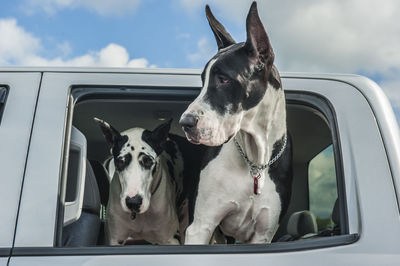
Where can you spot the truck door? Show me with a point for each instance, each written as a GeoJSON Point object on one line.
{"type": "Point", "coordinates": [18, 94]}
{"type": "Point", "coordinates": [330, 121]}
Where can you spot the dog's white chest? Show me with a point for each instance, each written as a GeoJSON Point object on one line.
{"type": "Point", "coordinates": [252, 213]}
{"type": "Point", "coordinates": [233, 195]}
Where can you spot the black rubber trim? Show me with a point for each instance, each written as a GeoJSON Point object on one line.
{"type": "Point", "coordinates": [5, 252]}
{"type": "Point", "coordinates": [312, 100]}
{"type": "Point", "coordinates": [63, 179]}
{"type": "Point", "coordinates": [83, 93]}
{"type": "Point", "coordinates": [280, 247]}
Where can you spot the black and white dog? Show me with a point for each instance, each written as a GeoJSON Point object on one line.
{"type": "Point", "coordinates": [246, 185]}
{"type": "Point", "coordinates": [146, 187]}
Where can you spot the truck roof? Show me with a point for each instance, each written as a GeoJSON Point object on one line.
{"type": "Point", "coordinates": [151, 70]}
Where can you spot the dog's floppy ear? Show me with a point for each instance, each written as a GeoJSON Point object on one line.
{"type": "Point", "coordinates": [109, 132]}
{"type": "Point", "coordinates": [257, 43]}
{"type": "Point", "coordinates": [224, 39]}
{"type": "Point", "coordinates": [160, 133]}
{"type": "Point", "coordinates": [158, 137]}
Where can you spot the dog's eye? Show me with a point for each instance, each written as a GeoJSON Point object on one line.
{"type": "Point", "coordinates": [223, 80]}
{"type": "Point", "coordinates": [147, 162]}
{"type": "Point", "coordinates": [120, 163]}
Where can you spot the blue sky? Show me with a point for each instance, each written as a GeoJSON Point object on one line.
{"type": "Point", "coordinates": [353, 36]}
{"type": "Point", "coordinates": [163, 32]}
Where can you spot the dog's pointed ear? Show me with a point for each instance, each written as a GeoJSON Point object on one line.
{"type": "Point", "coordinates": [257, 43]}
{"type": "Point", "coordinates": [223, 38]}
{"type": "Point", "coordinates": [109, 132]}
{"type": "Point", "coordinates": [160, 133]}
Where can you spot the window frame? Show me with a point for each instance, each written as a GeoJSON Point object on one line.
{"type": "Point", "coordinates": [276, 247]}
{"type": "Point", "coordinates": [310, 99]}
{"type": "Point", "coordinates": [323, 105]}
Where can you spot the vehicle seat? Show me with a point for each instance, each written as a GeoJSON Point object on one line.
{"type": "Point", "coordinates": [102, 180]}
{"type": "Point", "coordinates": [335, 216]}
{"type": "Point", "coordinates": [301, 225]}
{"type": "Point", "coordinates": [85, 231]}
{"type": "Point", "coordinates": [104, 186]}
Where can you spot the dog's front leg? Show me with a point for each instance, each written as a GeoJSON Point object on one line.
{"type": "Point", "coordinates": [207, 217]}
{"type": "Point", "coordinates": [199, 233]}
{"type": "Point", "coordinates": [115, 235]}
{"type": "Point", "coordinates": [116, 239]}
{"type": "Point", "coordinates": [173, 241]}
{"type": "Point", "coordinates": [267, 222]}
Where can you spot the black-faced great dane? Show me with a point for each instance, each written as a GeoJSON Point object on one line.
{"type": "Point", "coordinates": [246, 185]}
{"type": "Point", "coordinates": [146, 187]}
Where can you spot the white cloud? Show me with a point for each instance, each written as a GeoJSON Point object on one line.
{"type": "Point", "coordinates": [391, 86]}
{"type": "Point", "coordinates": [231, 10]}
{"type": "Point", "coordinates": [183, 36]}
{"type": "Point", "coordinates": [64, 48]}
{"type": "Point", "coordinates": [205, 50]}
{"type": "Point", "coordinates": [353, 36]}
{"type": "Point", "coordinates": [322, 183]}
{"type": "Point", "coordinates": [322, 35]}
{"type": "Point", "coordinates": [340, 36]}
{"type": "Point", "coordinates": [113, 55]}
{"type": "Point", "coordinates": [22, 48]}
{"type": "Point", "coordinates": [16, 42]}
{"type": "Point", "coordinates": [101, 7]}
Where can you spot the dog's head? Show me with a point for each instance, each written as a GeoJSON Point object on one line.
{"type": "Point", "coordinates": [234, 81]}
{"type": "Point", "coordinates": [135, 155]}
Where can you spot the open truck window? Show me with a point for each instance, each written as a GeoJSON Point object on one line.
{"type": "Point", "coordinates": [316, 165]}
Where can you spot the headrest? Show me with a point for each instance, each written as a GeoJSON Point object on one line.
{"type": "Point", "coordinates": [336, 213]}
{"type": "Point", "coordinates": [102, 180]}
{"type": "Point", "coordinates": [91, 196]}
{"type": "Point", "coordinates": [302, 223]}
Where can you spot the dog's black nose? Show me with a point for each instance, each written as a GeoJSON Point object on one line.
{"type": "Point", "coordinates": [188, 121]}
{"type": "Point", "coordinates": [134, 203]}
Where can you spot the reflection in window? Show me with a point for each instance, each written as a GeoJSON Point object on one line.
{"type": "Point", "coordinates": [322, 187]}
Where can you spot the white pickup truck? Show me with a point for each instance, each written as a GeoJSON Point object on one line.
{"type": "Point", "coordinates": [346, 192]}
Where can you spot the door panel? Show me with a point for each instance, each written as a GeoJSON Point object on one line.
{"type": "Point", "coordinates": [15, 129]}
{"type": "Point", "coordinates": [37, 225]}
{"type": "Point", "coordinates": [3, 261]}
{"type": "Point", "coordinates": [44, 172]}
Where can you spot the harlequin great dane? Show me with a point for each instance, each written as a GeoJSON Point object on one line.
{"type": "Point", "coordinates": [146, 191]}
{"type": "Point", "coordinates": [246, 185]}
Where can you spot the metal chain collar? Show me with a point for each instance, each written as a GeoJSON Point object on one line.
{"type": "Point", "coordinates": [254, 168]}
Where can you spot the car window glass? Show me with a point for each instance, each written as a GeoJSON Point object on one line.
{"type": "Point", "coordinates": [322, 187]}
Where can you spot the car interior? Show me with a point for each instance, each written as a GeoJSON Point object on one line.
{"type": "Point", "coordinates": [310, 128]}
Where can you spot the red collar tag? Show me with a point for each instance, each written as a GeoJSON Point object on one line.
{"type": "Point", "coordinates": [256, 186]}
